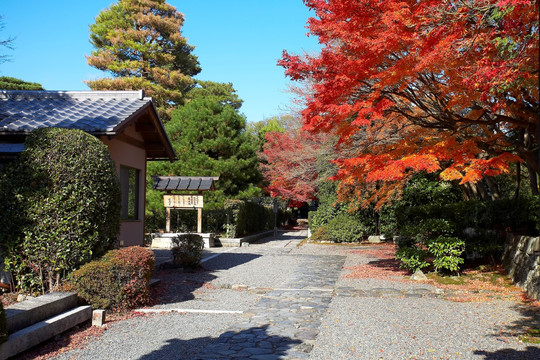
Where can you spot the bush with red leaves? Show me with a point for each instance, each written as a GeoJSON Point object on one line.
{"type": "Point", "coordinates": [119, 281]}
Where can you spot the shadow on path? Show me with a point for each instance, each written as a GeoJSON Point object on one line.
{"type": "Point", "coordinates": [179, 284]}
{"type": "Point", "coordinates": [226, 346]}
{"type": "Point", "coordinates": [530, 353]}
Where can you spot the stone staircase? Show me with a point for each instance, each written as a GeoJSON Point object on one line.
{"type": "Point", "coordinates": [36, 320]}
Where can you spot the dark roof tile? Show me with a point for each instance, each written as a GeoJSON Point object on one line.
{"type": "Point", "coordinates": [92, 111]}
{"type": "Point", "coordinates": [184, 183]}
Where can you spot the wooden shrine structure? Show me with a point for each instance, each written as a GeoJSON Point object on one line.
{"type": "Point", "coordinates": [184, 192]}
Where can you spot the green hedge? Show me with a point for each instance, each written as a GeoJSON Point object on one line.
{"type": "Point", "coordinates": [447, 233]}
{"type": "Point", "coordinates": [342, 228]}
{"type": "Point", "coordinates": [520, 216]}
{"type": "Point", "coordinates": [60, 206]}
{"type": "Point", "coordinates": [246, 217]}
{"type": "Point", "coordinates": [119, 280]}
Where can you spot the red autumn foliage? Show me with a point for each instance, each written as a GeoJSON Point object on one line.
{"type": "Point", "coordinates": [422, 86]}
{"type": "Point", "coordinates": [291, 163]}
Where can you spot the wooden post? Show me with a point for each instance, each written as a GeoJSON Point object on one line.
{"type": "Point", "coordinates": [168, 224]}
{"type": "Point", "coordinates": [199, 220]}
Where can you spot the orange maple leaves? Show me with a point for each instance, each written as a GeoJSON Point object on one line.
{"type": "Point", "coordinates": [422, 86]}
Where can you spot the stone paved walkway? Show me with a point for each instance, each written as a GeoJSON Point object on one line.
{"type": "Point", "coordinates": [285, 322]}
{"type": "Point", "coordinates": [278, 300]}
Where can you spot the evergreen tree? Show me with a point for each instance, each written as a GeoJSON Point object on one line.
{"type": "Point", "coordinates": [210, 139]}
{"type": "Point", "coordinates": [140, 44]}
{"type": "Point", "coordinates": [11, 83]}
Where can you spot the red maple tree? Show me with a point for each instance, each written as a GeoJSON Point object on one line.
{"type": "Point", "coordinates": [423, 86]}
{"type": "Point", "coordinates": [290, 164]}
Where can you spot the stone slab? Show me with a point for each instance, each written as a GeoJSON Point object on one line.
{"type": "Point", "coordinates": [33, 335]}
{"type": "Point", "coordinates": [33, 310]}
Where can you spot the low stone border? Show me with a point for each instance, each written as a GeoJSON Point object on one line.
{"type": "Point", "coordinates": [233, 242]}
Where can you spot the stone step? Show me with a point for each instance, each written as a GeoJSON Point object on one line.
{"type": "Point", "coordinates": [33, 310]}
{"type": "Point", "coordinates": [44, 330]}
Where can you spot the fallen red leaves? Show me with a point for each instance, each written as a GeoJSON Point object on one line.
{"type": "Point", "coordinates": [73, 339]}
{"type": "Point", "coordinates": [471, 286]}
{"type": "Point", "coordinates": [384, 265]}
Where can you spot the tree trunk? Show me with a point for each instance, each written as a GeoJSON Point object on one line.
{"type": "Point", "coordinates": [518, 180]}
{"type": "Point", "coordinates": [493, 189]}
{"type": "Point", "coordinates": [481, 190]}
{"type": "Point", "coordinates": [533, 180]}
{"type": "Point", "coordinates": [465, 190]}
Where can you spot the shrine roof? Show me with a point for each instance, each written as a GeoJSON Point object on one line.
{"type": "Point", "coordinates": [184, 183]}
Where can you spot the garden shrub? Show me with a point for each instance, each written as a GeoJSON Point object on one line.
{"type": "Point", "coordinates": [3, 324]}
{"type": "Point", "coordinates": [412, 258]}
{"type": "Point", "coordinates": [119, 280]}
{"type": "Point", "coordinates": [187, 250]}
{"type": "Point", "coordinates": [431, 238]}
{"type": "Point", "coordinates": [250, 216]}
{"type": "Point", "coordinates": [319, 234]}
{"type": "Point", "coordinates": [446, 251]}
{"type": "Point", "coordinates": [60, 207]}
{"type": "Point", "coordinates": [345, 228]}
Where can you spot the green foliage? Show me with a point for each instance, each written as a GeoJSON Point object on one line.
{"type": "Point", "coordinates": [61, 207]}
{"type": "Point", "coordinates": [412, 258]}
{"type": "Point", "coordinates": [339, 224]}
{"type": "Point", "coordinates": [224, 93]}
{"type": "Point", "coordinates": [139, 42]}
{"type": "Point", "coordinates": [209, 137]}
{"type": "Point", "coordinates": [431, 238]}
{"type": "Point", "coordinates": [345, 228]}
{"type": "Point", "coordinates": [3, 324]}
{"type": "Point", "coordinates": [249, 217]}
{"type": "Point", "coordinates": [328, 207]}
{"type": "Point", "coordinates": [187, 250]}
{"type": "Point", "coordinates": [447, 252]}
{"type": "Point", "coordinates": [319, 234]}
{"type": "Point", "coordinates": [259, 129]}
{"type": "Point", "coordinates": [11, 83]}
{"type": "Point", "coordinates": [120, 280]}
{"type": "Point", "coordinates": [422, 189]}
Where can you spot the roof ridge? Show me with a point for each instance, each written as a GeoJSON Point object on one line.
{"type": "Point", "coordinates": [53, 94]}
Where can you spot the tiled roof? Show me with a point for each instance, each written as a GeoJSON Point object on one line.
{"type": "Point", "coordinates": [183, 183]}
{"type": "Point", "coordinates": [91, 111]}
{"type": "Point", "coordinates": [101, 113]}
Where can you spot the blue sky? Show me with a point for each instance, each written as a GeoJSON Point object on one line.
{"type": "Point", "coordinates": [237, 41]}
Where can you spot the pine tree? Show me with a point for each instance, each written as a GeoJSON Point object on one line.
{"type": "Point", "coordinates": [210, 139]}
{"type": "Point", "coordinates": [140, 44]}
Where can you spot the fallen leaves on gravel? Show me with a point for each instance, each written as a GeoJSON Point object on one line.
{"type": "Point", "coordinates": [75, 338]}
{"type": "Point", "coordinates": [473, 285]}
{"type": "Point", "coordinates": [384, 266]}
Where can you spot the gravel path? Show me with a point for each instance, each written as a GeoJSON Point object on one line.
{"type": "Point", "coordinates": [278, 300]}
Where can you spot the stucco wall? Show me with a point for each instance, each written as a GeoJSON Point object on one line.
{"type": "Point", "coordinates": [131, 231]}
{"type": "Point", "coordinates": [522, 261]}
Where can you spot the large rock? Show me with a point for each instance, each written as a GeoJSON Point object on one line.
{"type": "Point", "coordinates": [418, 276]}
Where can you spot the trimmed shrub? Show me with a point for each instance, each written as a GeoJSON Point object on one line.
{"type": "Point", "coordinates": [345, 228]}
{"type": "Point", "coordinates": [60, 207]}
{"type": "Point", "coordinates": [187, 250]}
{"type": "Point", "coordinates": [319, 234]}
{"type": "Point", "coordinates": [3, 324]}
{"type": "Point", "coordinates": [250, 217]}
{"type": "Point", "coordinates": [119, 280]}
